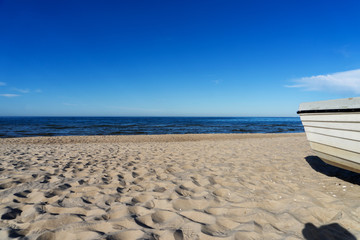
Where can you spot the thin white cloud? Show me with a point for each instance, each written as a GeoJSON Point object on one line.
{"type": "Point", "coordinates": [9, 95]}
{"type": "Point", "coordinates": [2, 84]}
{"type": "Point", "coordinates": [70, 104]}
{"type": "Point", "coordinates": [217, 81]}
{"type": "Point", "coordinates": [344, 51]}
{"type": "Point", "coordinates": [348, 81]}
{"type": "Point", "coordinates": [21, 90]}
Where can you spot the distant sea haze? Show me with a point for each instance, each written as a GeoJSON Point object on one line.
{"type": "Point", "coordinates": [85, 126]}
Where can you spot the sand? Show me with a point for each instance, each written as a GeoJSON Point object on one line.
{"type": "Point", "coordinates": [251, 186]}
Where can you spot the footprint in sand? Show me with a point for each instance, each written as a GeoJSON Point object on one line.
{"type": "Point", "coordinates": [22, 194]}
{"type": "Point", "coordinates": [6, 185]}
{"type": "Point", "coordinates": [64, 186]}
{"type": "Point", "coordinates": [46, 179]}
{"type": "Point", "coordinates": [11, 214]}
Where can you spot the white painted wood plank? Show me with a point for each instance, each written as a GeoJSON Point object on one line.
{"type": "Point", "coordinates": [344, 103]}
{"type": "Point", "coordinates": [339, 162]}
{"type": "Point", "coordinates": [345, 144]}
{"type": "Point", "coordinates": [334, 125]}
{"type": "Point", "coordinates": [336, 152]}
{"type": "Point", "coordinates": [335, 133]}
{"type": "Point", "coordinates": [345, 117]}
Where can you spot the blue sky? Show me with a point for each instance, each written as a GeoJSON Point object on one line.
{"type": "Point", "coordinates": [175, 58]}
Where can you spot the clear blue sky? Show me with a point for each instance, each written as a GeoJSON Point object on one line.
{"type": "Point", "coordinates": [175, 58]}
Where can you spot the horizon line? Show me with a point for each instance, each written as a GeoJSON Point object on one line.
{"type": "Point", "coordinates": [147, 116]}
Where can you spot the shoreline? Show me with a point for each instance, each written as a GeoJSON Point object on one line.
{"type": "Point", "coordinates": [143, 138]}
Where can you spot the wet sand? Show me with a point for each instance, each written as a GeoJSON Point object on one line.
{"type": "Point", "coordinates": [220, 186]}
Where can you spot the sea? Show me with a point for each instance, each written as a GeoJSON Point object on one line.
{"type": "Point", "coordinates": [11, 127]}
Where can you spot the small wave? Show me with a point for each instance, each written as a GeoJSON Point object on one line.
{"type": "Point", "coordinates": [118, 133]}
{"type": "Point", "coordinates": [243, 130]}
{"type": "Point", "coordinates": [129, 133]}
{"type": "Point", "coordinates": [39, 134]}
{"type": "Point", "coordinates": [100, 126]}
{"type": "Point", "coordinates": [60, 127]}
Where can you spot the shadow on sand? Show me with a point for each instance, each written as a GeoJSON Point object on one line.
{"type": "Point", "coordinates": [320, 166]}
{"type": "Point", "coordinates": [332, 231]}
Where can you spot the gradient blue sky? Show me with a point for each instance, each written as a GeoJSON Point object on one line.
{"type": "Point", "coordinates": [175, 58]}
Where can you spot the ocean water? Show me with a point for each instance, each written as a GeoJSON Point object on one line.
{"type": "Point", "coordinates": [83, 126]}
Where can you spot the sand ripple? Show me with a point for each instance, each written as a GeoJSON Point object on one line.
{"type": "Point", "coordinates": [168, 187]}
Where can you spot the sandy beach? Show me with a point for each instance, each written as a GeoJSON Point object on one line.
{"type": "Point", "coordinates": [220, 186]}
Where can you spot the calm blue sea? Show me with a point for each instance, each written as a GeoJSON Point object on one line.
{"type": "Point", "coordinates": [77, 126]}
